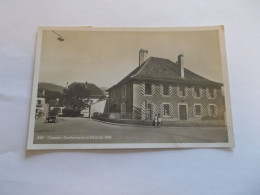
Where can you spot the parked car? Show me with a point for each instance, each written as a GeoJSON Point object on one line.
{"type": "Point", "coordinates": [70, 112]}
{"type": "Point", "coordinates": [85, 113]}
{"type": "Point", "coordinates": [51, 117]}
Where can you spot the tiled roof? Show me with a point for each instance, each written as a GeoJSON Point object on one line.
{"type": "Point", "coordinates": [164, 69]}
{"type": "Point", "coordinates": [160, 69]}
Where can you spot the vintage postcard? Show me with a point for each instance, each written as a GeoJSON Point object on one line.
{"type": "Point", "coordinates": [104, 88]}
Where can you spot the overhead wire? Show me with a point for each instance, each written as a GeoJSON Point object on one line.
{"type": "Point", "coordinates": [86, 52]}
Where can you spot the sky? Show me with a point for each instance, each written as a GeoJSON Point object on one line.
{"type": "Point", "coordinates": [104, 58]}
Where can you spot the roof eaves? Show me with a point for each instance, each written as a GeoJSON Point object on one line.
{"type": "Point", "coordinates": [179, 80]}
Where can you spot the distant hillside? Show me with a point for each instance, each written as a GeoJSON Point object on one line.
{"type": "Point", "coordinates": [51, 87]}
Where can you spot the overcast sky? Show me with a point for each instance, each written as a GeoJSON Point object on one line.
{"type": "Point", "coordinates": [104, 58]}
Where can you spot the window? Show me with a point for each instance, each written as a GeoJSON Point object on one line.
{"type": "Point", "coordinates": [182, 90]}
{"type": "Point", "coordinates": [123, 91]}
{"type": "Point", "coordinates": [148, 88]}
{"type": "Point", "coordinates": [197, 109]}
{"type": "Point", "coordinates": [39, 102]}
{"type": "Point", "coordinates": [212, 110]}
{"type": "Point", "coordinates": [197, 91]}
{"type": "Point", "coordinates": [166, 89]}
{"type": "Point", "coordinates": [113, 94]}
{"type": "Point", "coordinates": [166, 110]}
{"type": "Point", "coordinates": [148, 111]}
{"type": "Point", "coordinates": [123, 108]}
{"type": "Point", "coordinates": [211, 92]}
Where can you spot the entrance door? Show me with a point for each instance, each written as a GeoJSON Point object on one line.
{"type": "Point", "coordinates": [148, 111]}
{"type": "Point", "coordinates": [183, 112]}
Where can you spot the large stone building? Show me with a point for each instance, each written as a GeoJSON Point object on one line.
{"type": "Point", "coordinates": [159, 85]}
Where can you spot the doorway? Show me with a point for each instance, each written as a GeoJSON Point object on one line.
{"type": "Point", "coordinates": [148, 112]}
{"type": "Point", "coordinates": [183, 112]}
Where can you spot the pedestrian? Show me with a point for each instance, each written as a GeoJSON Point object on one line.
{"type": "Point", "coordinates": [159, 120]}
{"type": "Point", "coordinates": [155, 120]}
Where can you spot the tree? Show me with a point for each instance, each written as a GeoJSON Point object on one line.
{"type": "Point", "coordinates": [77, 96]}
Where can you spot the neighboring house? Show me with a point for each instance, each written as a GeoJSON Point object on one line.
{"type": "Point", "coordinates": [159, 85]}
{"type": "Point", "coordinates": [41, 106]}
{"type": "Point", "coordinates": [87, 91]}
{"type": "Point", "coordinates": [57, 106]}
{"type": "Point", "coordinates": [98, 107]}
{"type": "Point", "coordinates": [51, 87]}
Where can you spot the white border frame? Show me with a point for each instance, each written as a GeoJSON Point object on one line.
{"type": "Point", "coordinates": [220, 29]}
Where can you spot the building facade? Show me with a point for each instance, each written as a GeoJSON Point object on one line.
{"type": "Point", "coordinates": [160, 86]}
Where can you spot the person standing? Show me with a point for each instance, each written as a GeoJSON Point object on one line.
{"type": "Point", "coordinates": [159, 120]}
{"type": "Point", "coordinates": [155, 120]}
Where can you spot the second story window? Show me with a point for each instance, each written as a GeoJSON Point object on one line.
{"type": "Point", "coordinates": [112, 94]}
{"type": "Point", "coordinates": [182, 90]}
{"type": "Point", "coordinates": [148, 89]}
{"type": "Point", "coordinates": [123, 91]}
{"type": "Point", "coordinates": [211, 92]}
{"type": "Point", "coordinates": [166, 89]}
{"type": "Point", "coordinates": [197, 91]}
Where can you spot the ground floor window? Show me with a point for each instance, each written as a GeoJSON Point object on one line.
{"type": "Point", "coordinates": [197, 109]}
{"type": "Point", "coordinates": [212, 110]}
{"type": "Point", "coordinates": [123, 108]}
{"type": "Point", "coordinates": [166, 109]}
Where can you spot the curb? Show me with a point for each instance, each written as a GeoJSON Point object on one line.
{"type": "Point", "coordinates": [122, 124]}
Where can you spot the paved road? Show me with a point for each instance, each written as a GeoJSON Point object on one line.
{"type": "Point", "coordinates": [82, 130]}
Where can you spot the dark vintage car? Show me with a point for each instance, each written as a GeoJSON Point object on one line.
{"type": "Point", "coordinates": [51, 117]}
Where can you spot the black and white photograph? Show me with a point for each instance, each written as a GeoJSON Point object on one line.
{"type": "Point", "coordinates": [130, 88]}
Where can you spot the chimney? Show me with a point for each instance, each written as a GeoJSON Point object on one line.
{"type": "Point", "coordinates": [181, 65]}
{"type": "Point", "coordinates": [142, 56]}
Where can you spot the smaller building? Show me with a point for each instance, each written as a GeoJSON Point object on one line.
{"type": "Point", "coordinates": [56, 106]}
{"type": "Point", "coordinates": [98, 108]}
{"type": "Point", "coordinates": [41, 106]}
{"type": "Point", "coordinates": [88, 92]}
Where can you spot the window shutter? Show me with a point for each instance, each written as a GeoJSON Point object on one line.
{"type": "Point", "coordinates": [143, 88]}
{"type": "Point", "coordinates": [153, 88]}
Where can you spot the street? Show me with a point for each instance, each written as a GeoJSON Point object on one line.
{"type": "Point", "coordinates": [83, 130]}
